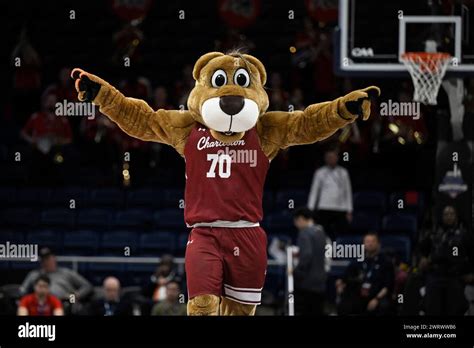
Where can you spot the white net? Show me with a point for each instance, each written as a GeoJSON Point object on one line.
{"type": "Point", "coordinates": [427, 71]}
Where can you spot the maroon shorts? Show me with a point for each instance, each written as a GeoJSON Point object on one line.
{"type": "Point", "coordinates": [229, 262]}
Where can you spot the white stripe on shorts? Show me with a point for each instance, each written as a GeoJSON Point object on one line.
{"type": "Point", "coordinates": [242, 289]}
{"type": "Point", "coordinates": [243, 295]}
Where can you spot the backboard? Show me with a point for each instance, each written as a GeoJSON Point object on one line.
{"type": "Point", "coordinates": [373, 34]}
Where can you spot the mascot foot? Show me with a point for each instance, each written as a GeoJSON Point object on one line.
{"type": "Point", "coordinates": [229, 307]}
{"type": "Point", "coordinates": [204, 305]}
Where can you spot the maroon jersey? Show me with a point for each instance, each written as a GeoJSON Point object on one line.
{"type": "Point", "coordinates": [223, 181]}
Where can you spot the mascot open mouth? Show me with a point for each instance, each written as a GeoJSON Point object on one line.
{"type": "Point", "coordinates": [230, 114]}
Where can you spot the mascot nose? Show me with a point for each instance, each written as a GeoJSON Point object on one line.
{"type": "Point", "coordinates": [231, 104]}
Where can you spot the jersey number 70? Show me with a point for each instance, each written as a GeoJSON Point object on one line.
{"type": "Point", "coordinates": [222, 161]}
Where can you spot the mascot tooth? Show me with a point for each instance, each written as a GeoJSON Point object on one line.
{"type": "Point", "coordinates": [228, 107]}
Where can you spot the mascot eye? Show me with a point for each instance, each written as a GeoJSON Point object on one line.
{"type": "Point", "coordinates": [242, 78]}
{"type": "Point", "coordinates": [219, 79]}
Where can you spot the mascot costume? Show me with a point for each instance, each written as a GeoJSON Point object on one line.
{"type": "Point", "coordinates": [227, 139]}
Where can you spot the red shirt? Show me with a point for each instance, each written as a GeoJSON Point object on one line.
{"type": "Point", "coordinates": [31, 303]}
{"type": "Point", "coordinates": [224, 181]}
{"type": "Point", "coordinates": [40, 125]}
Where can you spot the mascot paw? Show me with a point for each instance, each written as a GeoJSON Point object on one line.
{"type": "Point", "coordinates": [204, 305]}
{"type": "Point", "coordinates": [358, 102]}
{"type": "Point", "coordinates": [87, 85]}
{"type": "Point", "coordinates": [229, 307]}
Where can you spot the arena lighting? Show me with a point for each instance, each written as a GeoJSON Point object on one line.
{"type": "Point", "coordinates": [394, 128]}
{"type": "Point", "coordinates": [126, 174]}
{"type": "Point", "coordinates": [418, 137]}
{"type": "Point", "coordinates": [58, 158]}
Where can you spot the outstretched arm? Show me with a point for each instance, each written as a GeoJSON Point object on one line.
{"type": "Point", "coordinates": [134, 116]}
{"type": "Point", "coordinates": [279, 129]}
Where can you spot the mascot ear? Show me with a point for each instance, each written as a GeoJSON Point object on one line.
{"type": "Point", "coordinates": [258, 64]}
{"type": "Point", "coordinates": [201, 62]}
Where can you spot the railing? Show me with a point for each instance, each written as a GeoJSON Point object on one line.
{"type": "Point", "coordinates": [75, 260]}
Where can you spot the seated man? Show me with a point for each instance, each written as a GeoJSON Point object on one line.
{"type": "Point", "coordinates": [173, 304]}
{"type": "Point", "coordinates": [64, 282]}
{"type": "Point", "coordinates": [41, 302]}
{"type": "Point", "coordinates": [111, 304]}
{"type": "Point", "coordinates": [367, 286]}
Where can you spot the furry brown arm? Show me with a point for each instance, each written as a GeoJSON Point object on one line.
{"type": "Point", "coordinates": [135, 117]}
{"type": "Point", "coordinates": [279, 129]}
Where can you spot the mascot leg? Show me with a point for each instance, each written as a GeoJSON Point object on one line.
{"type": "Point", "coordinates": [204, 305]}
{"type": "Point", "coordinates": [229, 307]}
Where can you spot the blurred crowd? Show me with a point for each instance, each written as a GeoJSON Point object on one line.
{"type": "Point", "coordinates": [57, 145]}
{"type": "Point", "coordinates": [439, 281]}
{"type": "Point", "coordinates": [54, 290]}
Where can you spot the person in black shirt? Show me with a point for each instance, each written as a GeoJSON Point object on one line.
{"type": "Point", "coordinates": [111, 304]}
{"type": "Point", "coordinates": [449, 254]}
{"type": "Point", "coordinates": [367, 286]}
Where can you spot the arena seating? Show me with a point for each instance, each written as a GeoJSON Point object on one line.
{"type": "Point", "coordinates": [149, 221]}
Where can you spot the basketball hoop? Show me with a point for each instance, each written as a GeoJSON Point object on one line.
{"type": "Point", "coordinates": [427, 70]}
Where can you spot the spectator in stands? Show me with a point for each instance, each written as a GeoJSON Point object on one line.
{"type": "Point", "coordinates": [26, 77]}
{"type": "Point", "coordinates": [127, 44]}
{"type": "Point", "coordinates": [160, 99]}
{"type": "Point", "coordinates": [277, 95]}
{"type": "Point", "coordinates": [331, 195]}
{"type": "Point", "coordinates": [63, 282]}
{"type": "Point", "coordinates": [64, 88]}
{"type": "Point", "coordinates": [310, 273]}
{"type": "Point", "coordinates": [367, 286]}
{"type": "Point", "coordinates": [165, 272]}
{"type": "Point", "coordinates": [111, 304]}
{"type": "Point", "coordinates": [135, 86]}
{"type": "Point", "coordinates": [183, 86]}
{"type": "Point", "coordinates": [65, 91]}
{"type": "Point", "coordinates": [324, 78]}
{"type": "Point", "coordinates": [47, 134]}
{"type": "Point", "coordinates": [449, 253]}
{"type": "Point", "coordinates": [297, 99]}
{"type": "Point", "coordinates": [174, 304]}
{"type": "Point", "coordinates": [40, 302]}
{"type": "Point", "coordinates": [44, 129]}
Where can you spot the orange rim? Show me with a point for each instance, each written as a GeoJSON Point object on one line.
{"type": "Point", "coordinates": [429, 58]}
{"type": "Point", "coordinates": [426, 55]}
